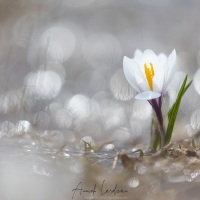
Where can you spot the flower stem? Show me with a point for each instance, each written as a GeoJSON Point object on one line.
{"type": "Point", "coordinates": [156, 104]}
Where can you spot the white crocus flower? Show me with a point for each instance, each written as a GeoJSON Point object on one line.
{"type": "Point", "coordinates": [148, 73]}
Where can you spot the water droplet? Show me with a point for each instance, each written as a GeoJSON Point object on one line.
{"type": "Point", "coordinates": [133, 182]}
{"type": "Point", "coordinates": [87, 140]}
{"type": "Point", "coordinates": [142, 169]}
{"type": "Point", "coordinates": [109, 147]}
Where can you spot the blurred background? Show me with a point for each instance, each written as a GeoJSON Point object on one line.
{"type": "Point", "coordinates": [61, 63]}
{"type": "Point", "coordinates": [61, 77]}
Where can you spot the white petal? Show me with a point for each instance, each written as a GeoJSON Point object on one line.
{"type": "Point", "coordinates": [150, 56]}
{"type": "Point", "coordinates": [158, 78]}
{"type": "Point", "coordinates": [130, 67]}
{"type": "Point", "coordinates": [134, 74]}
{"type": "Point", "coordinates": [171, 64]}
{"type": "Point", "coordinates": [148, 95]}
{"type": "Point", "coordinates": [138, 54]}
{"type": "Point", "coordinates": [162, 59]}
{"type": "Point", "coordinates": [158, 63]}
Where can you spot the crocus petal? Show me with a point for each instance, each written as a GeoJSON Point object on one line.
{"type": "Point", "coordinates": [158, 79]}
{"type": "Point", "coordinates": [148, 73]}
{"type": "Point", "coordinates": [148, 95]}
{"type": "Point", "coordinates": [171, 65]}
{"type": "Point", "coordinates": [130, 67]}
{"type": "Point", "coordinates": [134, 75]}
{"type": "Point", "coordinates": [138, 56]}
{"type": "Point", "coordinates": [150, 56]}
{"type": "Point", "coordinates": [162, 59]}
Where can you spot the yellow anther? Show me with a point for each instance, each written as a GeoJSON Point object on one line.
{"type": "Point", "coordinates": [149, 72]}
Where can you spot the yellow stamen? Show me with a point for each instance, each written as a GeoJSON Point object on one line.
{"type": "Point", "coordinates": [149, 72]}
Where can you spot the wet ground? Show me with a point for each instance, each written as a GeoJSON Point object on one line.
{"type": "Point", "coordinates": [30, 171]}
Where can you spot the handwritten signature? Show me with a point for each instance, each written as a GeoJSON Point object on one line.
{"type": "Point", "coordinates": [103, 191]}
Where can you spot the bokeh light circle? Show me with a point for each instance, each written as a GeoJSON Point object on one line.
{"type": "Point", "coordinates": [58, 43]}
{"type": "Point", "coordinates": [43, 84]}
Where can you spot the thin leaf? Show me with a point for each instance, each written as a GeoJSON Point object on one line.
{"type": "Point", "coordinates": [187, 86]}
{"type": "Point", "coordinates": [185, 89]}
{"type": "Point", "coordinates": [141, 152]}
{"type": "Point", "coordinates": [172, 114]}
{"type": "Point", "coordinates": [180, 91]}
{"type": "Point", "coordinates": [155, 144]}
{"type": "Point", "coordinates": [193, 143]}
